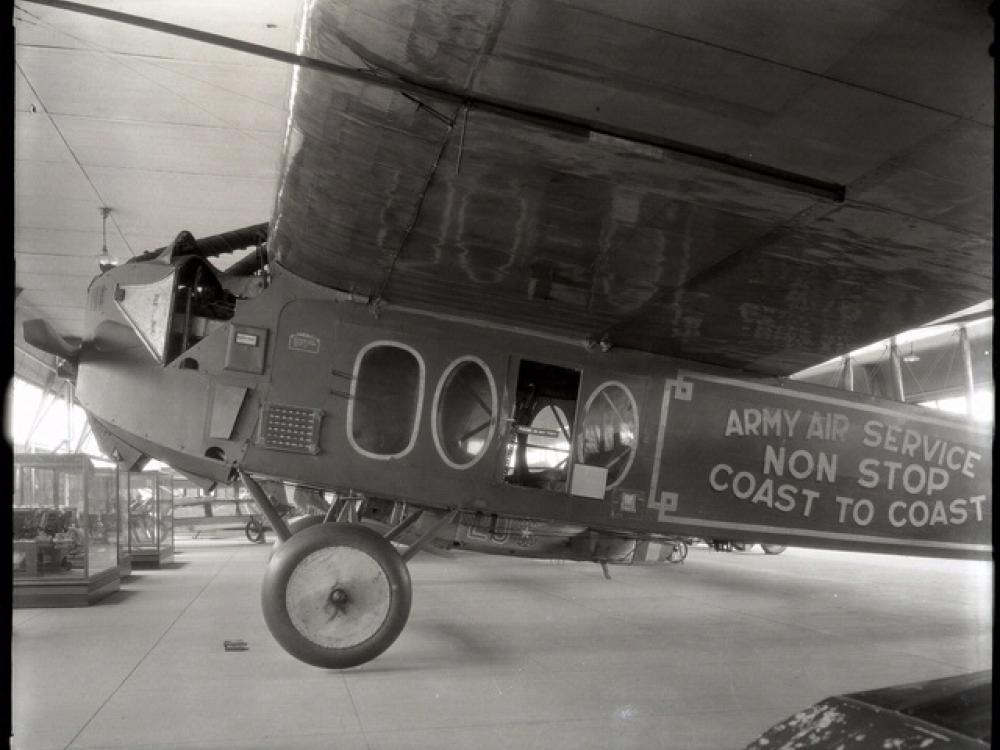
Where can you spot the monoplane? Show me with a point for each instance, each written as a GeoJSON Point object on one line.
{"type": "Point", "coordinates": [535, 276]}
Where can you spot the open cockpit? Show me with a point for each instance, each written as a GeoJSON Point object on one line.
{"type": "Point", "coordinates": [177, 297]}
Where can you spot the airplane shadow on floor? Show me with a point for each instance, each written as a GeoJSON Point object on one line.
{"type": "Point", "coordinates": [718, 592]}
{"type": "Point", "coordinates": [452, 643]}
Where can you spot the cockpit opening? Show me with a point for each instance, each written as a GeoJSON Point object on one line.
{"type": "Point", "coordinates": [175, 312]}
{"type": "Point", "coordinates": [201, 306]}
{"type": "Point", "coordinates": [192, 298]}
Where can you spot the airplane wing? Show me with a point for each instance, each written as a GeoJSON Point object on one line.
{"type": "Point", "coordinates": [761, 186]}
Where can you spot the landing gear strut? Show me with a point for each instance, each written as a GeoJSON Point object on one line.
{"type": "Point", "coordinates": [335, 594]}
{"type": "Point", "coordinates": [294, 527]}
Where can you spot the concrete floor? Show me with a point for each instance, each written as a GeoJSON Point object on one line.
{"type": "Point", "coordinates": [498, 653]}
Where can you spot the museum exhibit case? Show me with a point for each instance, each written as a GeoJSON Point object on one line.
{"type": "Point", "coordinates": [124, 556]}
{"type": "Point", "coordinates": [65, 530]}
{"type": "Point", "coordinates": [150, 499]}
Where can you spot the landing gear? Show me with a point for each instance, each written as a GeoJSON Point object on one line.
{"type": "Point", "coordinates": [254, 531]}
{"type": "Point", "coordinates": [336, 595]}
{"type": "Point", "coordinates": [295, 526]}
{"type": "Point", "coordinates": [773, 549]}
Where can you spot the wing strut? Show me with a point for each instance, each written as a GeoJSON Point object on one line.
{"type": "Point", "coordinates": [403, 525]}
{"type": "Point", "coordinates": [429, 534]}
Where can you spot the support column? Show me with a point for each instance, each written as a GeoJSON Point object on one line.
{"type": "Point", "coordinates": [68, 395]}
{"type": "Point", "coordinates": [266, 506]}
{"type": "Point", "coordinates": [847, 373]}
{"type": "Point", "coordinates": [895, 363]}
{"type": "Point", "coordinates": [970, 381]}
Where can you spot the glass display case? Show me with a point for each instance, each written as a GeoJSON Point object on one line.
{"type": "Point", "coordinates": [124, 556]}
{"type": "Point", "coordinates": [150, 500]}
{"type": "Point", "coordinates": [64, 523]}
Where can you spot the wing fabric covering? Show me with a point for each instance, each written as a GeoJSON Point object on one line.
{"type": "Point", "coordinates": [462, 210]}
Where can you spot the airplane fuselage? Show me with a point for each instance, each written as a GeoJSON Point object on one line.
{"type": "Point", "coordinates": [308, 385]}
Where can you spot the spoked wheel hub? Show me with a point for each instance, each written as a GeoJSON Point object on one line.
{"type": "Point", "coordinates": [336, 595]}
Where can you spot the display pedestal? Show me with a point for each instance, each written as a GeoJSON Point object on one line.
{"type": "Point", "coordinates": [151, 558]}
{"type": "Point", "coordinates": [64, 592]}
{"type": "Point", "coordinates": [124, 566]}
{"type": "Point", "coordinates": [29, 550]}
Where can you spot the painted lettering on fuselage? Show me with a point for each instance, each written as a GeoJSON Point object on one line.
{"type": "Point", "coordinates": [497, 531]}
{"type": "Point", "coordinates": [822, 467]}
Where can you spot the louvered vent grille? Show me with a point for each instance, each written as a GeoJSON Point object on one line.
{"type": "Point", "coordinates": [290, 428]}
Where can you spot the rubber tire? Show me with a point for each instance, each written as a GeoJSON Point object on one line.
{"type": "Point", "coordinates": [773, 549]}
{"type": "Point", "coordinates": [316, 538]}
{"type": "Point", "coordinates": [740, 546]}
{"type": "Point", "coordinates": [254, 531]}
{"type": "Point", "coordinates": [295, 526]}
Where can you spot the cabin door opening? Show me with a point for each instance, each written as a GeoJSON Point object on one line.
{"type": "Point", "coordinates": [539, 444]}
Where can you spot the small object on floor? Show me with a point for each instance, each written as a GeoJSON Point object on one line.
{"type": "Point", "coordinates": [236, 645]}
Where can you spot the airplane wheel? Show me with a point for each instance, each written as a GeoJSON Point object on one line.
{"type": "Point", "coordinates": [295, 526]}
{"type": "Point", "coordinates": [254, 531]}
{"type": "Point", "coordinates": [739, 546]}
{"type": "Point", "coordinates": [336, 595]}
{"type": "Point", "coordinates": [773, 549]}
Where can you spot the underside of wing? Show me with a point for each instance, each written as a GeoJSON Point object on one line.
{"type": "Point", "coordinates": [603, 201]}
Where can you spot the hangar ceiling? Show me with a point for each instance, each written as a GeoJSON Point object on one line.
{"type": "Point", "coordinates": [170, 134]}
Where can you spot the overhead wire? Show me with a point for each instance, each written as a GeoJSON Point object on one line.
{"type": "Point", "coordinates": [119, 58]}
{"type": "Point", "coordinates": [73, 154]}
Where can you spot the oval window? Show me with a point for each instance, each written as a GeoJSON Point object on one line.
{"type": "Point", "coordinates": [609, 431]}
{"type": "Point", "coordinates": [465, 409]}
{"type": "Point", "coordinates": [385, 400]}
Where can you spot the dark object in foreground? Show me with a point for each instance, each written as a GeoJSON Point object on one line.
{"type": "Point", "coordinates": [954, 712]}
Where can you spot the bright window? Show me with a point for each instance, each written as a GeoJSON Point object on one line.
{"type": "Point", "coordinates": [607, 435]}
{"type": "Point", "coordinates": [982, 405]}
{"type": "Point", "coordinates": [54, 430]}
{"type": "Point", "coordinates": [548, 440]}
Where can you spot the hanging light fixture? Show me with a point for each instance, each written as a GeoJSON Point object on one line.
{"type": "Point", "coordinates": [105, 260]}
